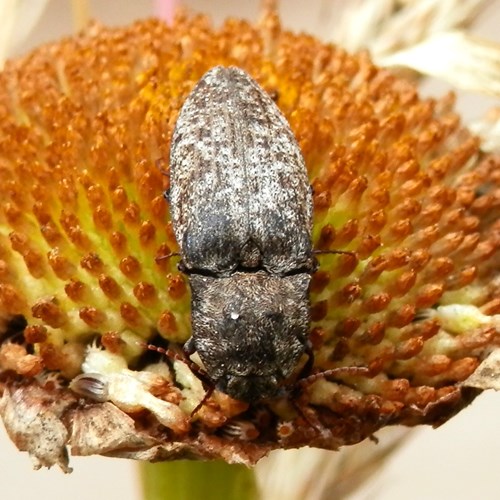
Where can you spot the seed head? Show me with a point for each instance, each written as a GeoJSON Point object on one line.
{"type": "Point", "coordinates": [85, 129]}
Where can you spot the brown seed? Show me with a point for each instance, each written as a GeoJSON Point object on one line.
{"type": "Point", "coordinates": [430, 214]}
{"type": "Point", "coordinates": [130, 314]}
{"type": "Point", "coordinates": [118, 242]}
{"type": "Point", "coordinates": [132, 215]}
{"type": "Point", "coordinates": [159, 208]}
{"type": "Point", "coordinates": [396, 390]}
{"type": "Point", "coordinates": [349, 293]}
{"type": "Point", "coordinates": [373, 270]}
{"type": "Point", "coordinates": [145, 293]}
{"type": "Point", "coordinates": [409, 348]}
{"type": "Point", "coordinates": [462, 368]}
{"type": "Point", "coordinates": [130, 267]}
{"type": "Point", "coordinates": [479, 338]}
{"type": "Point", "coordinates": [419, 259]}
{"type": "Point", "coordinates": [319, 282]}
{"type": "Point", "coordinates": [375, 221]}
{"type": "Point", "coordinates": [398, 231]}
{"type": "Point", "coordinates": [11, 301]}
{"type": "Point", "coordinates": [35, 263]}
{"type": "Point", "coordinates": [78, 237]}
{"type": "Point", "coordinates": [368, 245]}
{"type": "Point", "coordinates": [73, 354]}
{"type": "Point", "coordinates": [447, 244]}
{"type": "Point", "coordinates": [147, 233]}
{"type": "Point", "coordinates": [112, 342]}
{"type": "Point", "coordinates": [53, 358]}
{"type": "Point", "coordinates": [403, 316]}
{"type": "Point", "coordinates": [345, 265]}
{"type": "Point", "coordinates": [76, 291]}
{"type": "Point", "coordinates": [439, 268]}
{"type": "Point", "coordinates": [403, 283]}
{"type": "Point", "coordinates": [326, 237]}
{"type": "Point", "coordinates": [176, 286]}
{"type": "Point", "coordinates": [62, 267]}
{"type": "Point", "coordinates": [347, 327]}
{"type": "Point", "coordinates": [13, 215]}
{"type": "Point", "coordinates": [428, 295]}
{"type": "Point", "coordinates": [492, 307]}
{"type": "Point", "coordinates": [34, 334]}
{"type": "Point", "coordinates": [92, 263]}
{"type": "Point", "coordinates": [483, 251]}
{"type": "Point", "coordinates": [119, 199]}
{"type": "Point", "coordinates": [95, 195]}
{"type": "Point", "coordinates": [148, 183]}
{"type": "Point", "coordinates": [51, 234]}
{"type": "Point", "coordinates": [405, 172]}
{"type": "Point", "coordinates": [92, 317]}
{"type": "Point", "coordinates": [167, 324]}
{"type": "Point", "coordinates": [319, 310]}
{"type": "Point", "coordinates": [379, 198]}
{"type": "Point", "coordinates": [102, 218]}
{"type": "Point", "coordinates": [316, 337]}
{"type": "Point", "coordinates": [109, 286]}
{"type": "Point", "coordinates": [340, 351]}
{"type": "Point", "coordinates": [421, 396]}
{"type": "Point", "coordinates": [374, 334]}
{"type": "Point", "coordinates": [347, 233]}
{"type": "Point", "coordinates": [49, 312]}
{"type": "Point", "coordinates": [376, 303]}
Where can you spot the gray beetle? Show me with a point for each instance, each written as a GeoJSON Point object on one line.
{"type": "Point", "coordinates": [241, 210]}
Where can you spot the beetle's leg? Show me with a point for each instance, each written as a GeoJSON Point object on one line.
{"type": "Point", "coordinates": [171, 254]}
{"type": "Point", "coordinates": [307, 368]}
{"type": "Point", "coordinates": [207, 395]}
{"type": "Point", "coordinates": [341, 252]}
{"type": "Point", "coordinates": [189, 349]}
{"type": "Point", "coordinates": [303, 409]}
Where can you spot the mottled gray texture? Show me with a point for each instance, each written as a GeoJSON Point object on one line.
{"type": "Point", "coordinates": [250, 329]}
{"type": "Point", "coordinates": [241, 209]}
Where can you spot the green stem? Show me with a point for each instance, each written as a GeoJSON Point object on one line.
{"type": "Point", "coordinates": [192, 480]}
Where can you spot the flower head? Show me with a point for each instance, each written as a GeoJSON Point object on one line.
{"type": "Point", "coordinates": [398, 182]}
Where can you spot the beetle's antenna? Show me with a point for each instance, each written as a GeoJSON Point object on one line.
{"type": "Point", "coordinates": [340, 370]}
{"type": "Point", "coordinates": [169, 353]}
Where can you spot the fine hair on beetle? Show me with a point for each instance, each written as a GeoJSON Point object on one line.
{"type": "Point", "coordinates": [241, 210]}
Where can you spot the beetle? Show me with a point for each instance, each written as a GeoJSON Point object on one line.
{"type": "Point", "coordinates": [241, 210]}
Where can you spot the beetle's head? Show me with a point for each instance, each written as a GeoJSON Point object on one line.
{"type": "Point", "coordinates": [250, 330]}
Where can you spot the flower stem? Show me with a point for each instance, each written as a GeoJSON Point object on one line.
{"type": "Point", "coordinates": [193, 480]}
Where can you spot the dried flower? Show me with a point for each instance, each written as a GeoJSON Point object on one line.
{"type": "Point", "coordinates": [85, 131]}
{"type": "Point", "coordinates": [18, 19]}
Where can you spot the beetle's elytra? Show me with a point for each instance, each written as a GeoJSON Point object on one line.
{"type": "Point", "coordinates": [241, 209]}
